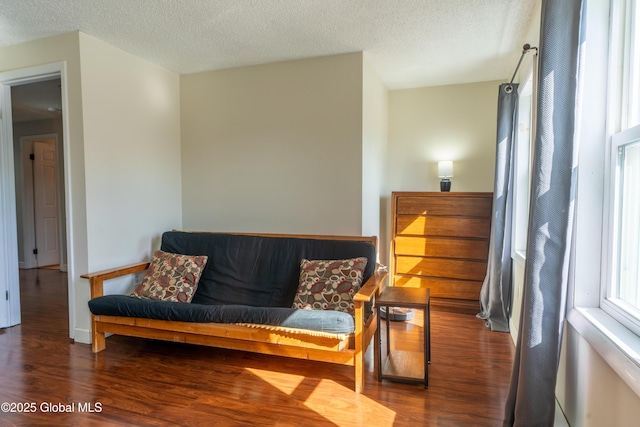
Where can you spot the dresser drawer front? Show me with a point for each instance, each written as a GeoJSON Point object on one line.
{"type": "Point", "coordinates": [443, 288]}
{"type": "Point", "coordinates": [443, 226]}
{"type": "Point", "coordinates": [462, 206]}
{"type": "Point", "coordinates": [442, 247]}
{"type": "Point", "coordinates": [440, 241]}
{"type": "Point", "coordinates": [439, 267]}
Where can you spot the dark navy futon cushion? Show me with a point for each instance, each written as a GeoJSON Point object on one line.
{"type": "Point", "coordinates": [259, 271]}
{"type": "Point", "coordinates": [329, 321]}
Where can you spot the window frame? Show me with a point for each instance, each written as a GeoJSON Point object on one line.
{"type": "Point", "coordinates": [523, 159]}
{"type": "Point", "coordinates": [612, 305]}
{"type": "Point", "coordinates": [599, 118]}
{"type": "Point", "coordinates": [622, 128]}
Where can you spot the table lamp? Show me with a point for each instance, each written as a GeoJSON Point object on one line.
{"type": "Point", "coordinates": [445, 171]}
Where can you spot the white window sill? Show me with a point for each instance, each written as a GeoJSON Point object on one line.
{"type": "Point", "coordinates": [519, 256]}
{"type": "Point", "coordinates": [618, 346]}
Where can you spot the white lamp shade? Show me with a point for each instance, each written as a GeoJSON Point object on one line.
{"type": "Point", "coordinates": [445, 169]}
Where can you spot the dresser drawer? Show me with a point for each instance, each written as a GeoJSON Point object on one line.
{"type": "Point", "coordinates": [442, 247]}
{"type": "Point", "coordinates": [440, 267]}
{"type": "Point", "coordinates": [436, 205]}
{"type": "Point", "coordinates": [443, 226]}
{"type": "Point", "coordinates": [443, 288]}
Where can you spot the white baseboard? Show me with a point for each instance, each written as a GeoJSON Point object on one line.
{"type": "Point", "coordinates": [513, 330]}
{"type": "Point", "coordinates": [82, 336]}
{"type": "Point", "coordinates": [24, 266]}
{"type": "Point", "coordinates": [560, 419]}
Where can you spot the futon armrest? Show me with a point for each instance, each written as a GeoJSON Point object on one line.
{"type": "Point", "coordinates": [372, 286]}
{"type": "Point", "coordinates": [96, 279]}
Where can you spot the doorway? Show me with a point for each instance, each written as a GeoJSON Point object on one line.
{"type": "Point", "coordinates": [12, 128]}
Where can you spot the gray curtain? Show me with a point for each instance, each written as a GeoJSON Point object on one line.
{"type": "Point", "coordinates": [531, 397]}
{"type": "Point", "coordinates": [495, 295]}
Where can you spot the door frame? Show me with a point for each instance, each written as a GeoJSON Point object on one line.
{"type": "Point", "coordinates": [9, 277]}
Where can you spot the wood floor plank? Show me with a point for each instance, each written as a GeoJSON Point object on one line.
{"type": "Point", "coordinates": [152, 383]}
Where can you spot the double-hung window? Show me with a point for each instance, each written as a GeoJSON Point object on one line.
{"type": "Point", "coordinates": [621, 295]}
{"type": "Point", "coordinates": [523, 168]}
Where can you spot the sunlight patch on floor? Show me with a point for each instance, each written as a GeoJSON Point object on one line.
{"type": "Point", "coordinates": [286, 383]}
{"type": "Point", "coordinates": [330, 399]}
{"type": "Point", "coordinates": [325, 400]}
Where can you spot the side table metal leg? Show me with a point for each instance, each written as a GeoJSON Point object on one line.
{"type": "Point", "coordinates": [387, 331]}
{"type": "Point", "coordinates": [426, 327]}
{"type": "Point", "coordinates": [429, 330]}
{"type": "Point", "coordinates": [379, 346]}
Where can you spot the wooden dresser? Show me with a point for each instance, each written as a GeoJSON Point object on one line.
{"type": "Point", "coordinates": [441, 241]}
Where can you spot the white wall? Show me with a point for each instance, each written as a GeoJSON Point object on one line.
{"type": "Point", "coordinates": [456, 122]}
{"type": "Point", "coordinates": [64, 49]}
{"type": "Point", "coordinates": [274, 148]}
{"type": "Point", "coordinates": [374, 151]}
{"type": "Point", "coordinates": [589, 391]}
{"type": "Point", "coordinates": [132, 158]}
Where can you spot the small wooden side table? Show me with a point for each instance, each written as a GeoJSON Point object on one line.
{"type": "Point", "coordinates": [397, 365]}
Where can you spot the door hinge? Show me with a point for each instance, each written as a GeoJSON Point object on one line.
{"type": "Point", "coordinates": [35, 251]}
{"type": "Point", "coordinates": [7, 296]}
{"type": "Point", "coordinates": [32, 156]}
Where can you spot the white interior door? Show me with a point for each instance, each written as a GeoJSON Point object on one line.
{"type": "Point", "coordinates": [46, 202]}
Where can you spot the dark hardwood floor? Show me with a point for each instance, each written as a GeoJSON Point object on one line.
{"type": "Point", "coordinates": [144, 382]}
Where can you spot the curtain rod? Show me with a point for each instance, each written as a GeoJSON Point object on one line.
{"type": "Point", "coordinates": [525, 49]}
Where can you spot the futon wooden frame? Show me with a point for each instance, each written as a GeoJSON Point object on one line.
{"type": "Point", "coordinates": [342, 349]}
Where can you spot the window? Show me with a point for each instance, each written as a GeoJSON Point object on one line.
{"type": "Point", "coordinates": [631, 65]}
{"type": "Point", "coordinates": [523, 167]}
{"type": "Point", "coordinates": [594, 312]}
{"type": "Point", "coordinates": [621, 298]}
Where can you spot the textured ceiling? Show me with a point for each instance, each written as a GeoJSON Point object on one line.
{"type": "Point", "coordinates": [411, 43]}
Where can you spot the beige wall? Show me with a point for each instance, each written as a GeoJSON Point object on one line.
{"type": "Point", "coordinates": [374, 151]}
{"type": "Point", "coordinates": [274, 148]}
{"type": "Point", "coordinates": [132, 157]}
{"type": "Point", "coordinates": [65, 49]}
{"type": "Point", "coordinates": [122, 152]}
{"type": "Point", "coordinates": [456, 122]}
{"type": "Point", "coordinates": [429, 124]}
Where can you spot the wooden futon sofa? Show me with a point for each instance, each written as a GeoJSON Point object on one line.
{"type": "Point", "coordinates": [244, 297]}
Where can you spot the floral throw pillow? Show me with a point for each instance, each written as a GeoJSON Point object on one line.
{"type": "Point", "coordinates": [329, 284]}
{"type": "Point", "coordinates": [171, 277]}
